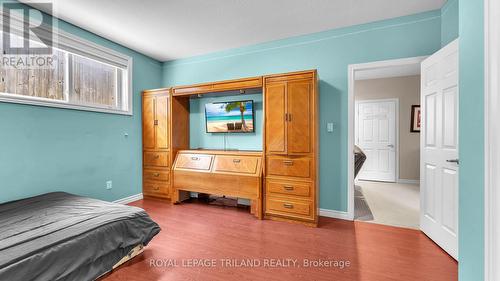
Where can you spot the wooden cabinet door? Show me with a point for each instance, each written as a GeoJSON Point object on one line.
{"type": "Point", "coordinates": [162, 122]}
{"type": "Point", "coordinates": [299, 116]}
{"type": "Point", "coordinates": [148, 122]}
{"type": "Point", "coordinates": [275, 118]}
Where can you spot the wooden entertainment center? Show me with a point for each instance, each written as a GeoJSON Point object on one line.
{"type": "Point", "coordinates": [281, 181]}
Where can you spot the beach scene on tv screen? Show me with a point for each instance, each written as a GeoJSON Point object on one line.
{"type": "Point", "coordinates": [229, 117]}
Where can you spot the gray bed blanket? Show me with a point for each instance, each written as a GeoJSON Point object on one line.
{"type": "Point", "coordinates": [60, 236]}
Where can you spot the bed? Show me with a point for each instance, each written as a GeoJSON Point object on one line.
{"type": "Point", "coordinates": [60, 236]}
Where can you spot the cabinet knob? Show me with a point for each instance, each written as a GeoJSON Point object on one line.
{"type": "Point", "coordinates": [288, 206]}
{"type": "Point", "coordinates": [288, 187]}
{"type": "Point", "coordinates": [156, 122]}
{"type": "Point", "coordinates": [288, 162]}
{"type": "Point", "coordinates": [157, 156]}
{"type": "Point", "coordinates": [236, 160]}
{"type": "Point", "coordinates": [156, 174]}
{"type": "Point", "coordinates": [156, 187]}
{"type": "Point", "coordinates": [195, 158]}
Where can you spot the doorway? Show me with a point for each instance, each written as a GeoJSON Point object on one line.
{"type": "Point", "coordinates": [386, 188]}
{"type": "Point", "coordinates": [438, 143]}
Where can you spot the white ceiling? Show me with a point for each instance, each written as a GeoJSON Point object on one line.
{"type": "Point", "coordinates": [174, 29]}
{"type": "Point", "coordinates": [387, 72]}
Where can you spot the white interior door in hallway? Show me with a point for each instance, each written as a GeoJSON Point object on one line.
{"type": "Point", "coordinates": [439, 148]}
{"type": "Point", "coordinates": [376, 135]}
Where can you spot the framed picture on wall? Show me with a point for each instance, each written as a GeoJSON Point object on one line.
{"type": "Point", "coordinates": [415, 119]}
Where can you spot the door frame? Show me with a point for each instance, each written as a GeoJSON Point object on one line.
{"type": "Point", "coordinates": [492, 139]}
{"type": "Point", "coordinates": [351, 73]}
{"type": "Point", "coordinates": [396, 101]}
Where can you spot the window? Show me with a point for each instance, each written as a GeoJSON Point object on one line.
{"type": "Point", "coordinates": [38, 83]}
{"type": "Point", "coordinates": [95, 83]}
{"type": "Point", "coordinates": [81, 75]}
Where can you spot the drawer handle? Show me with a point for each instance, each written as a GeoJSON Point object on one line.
{"type": "Point", "coordinates": [195, 158]}
{"type": "Point", "coordinates": [288, 187]}
{"type": "Point", "coordinates": [156, 174]}
{"type": "Point", "coordinates": [236, 160]}
{"type": "Point", "coordinates": [156, 187]}
{"type": "Point", "coordinates": [288, 162]}
{"type": "Point", "coordinates": [288, 206]}
{"type": "Point", "coordinates": [157, 156]}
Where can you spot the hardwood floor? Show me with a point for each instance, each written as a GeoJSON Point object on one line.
{"type": "Point", "coordinates": [194, 231]}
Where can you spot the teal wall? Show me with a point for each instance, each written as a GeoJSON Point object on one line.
{"type": "Point", "coordinates": [46, 149]}
{"type": "Point", "coordinates": [199, 138]}
{"type": "Point", "coordinates": [330, 52]}
{"type": "Point", "coordinates": [449, 22]}
{"type": "Point", "coordinates": [471, 140]}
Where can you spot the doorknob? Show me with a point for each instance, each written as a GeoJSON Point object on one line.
{"type": "Point", "coordinates": [453, 161]}
{"type": "Point", "coordinates": [390, 145]}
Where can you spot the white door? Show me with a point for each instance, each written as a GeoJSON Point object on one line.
{"type": "Point", "coordinates": [439, 148]}
{"type": "Point", "coordinates": [376, 136]}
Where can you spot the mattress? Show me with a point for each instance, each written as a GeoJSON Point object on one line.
{"type": "Point", "coordinates": [60, 236]}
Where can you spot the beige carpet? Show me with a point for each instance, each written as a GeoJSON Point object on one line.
{"type": "Point", "coordinates": [392, 203]}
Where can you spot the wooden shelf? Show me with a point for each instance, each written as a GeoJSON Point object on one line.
{"type": "Point", "coordinates": [220, 86]}
{"type": "Point", "coordinates": [225, 152]}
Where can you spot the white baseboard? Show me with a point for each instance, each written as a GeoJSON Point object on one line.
{"type": "Point", "coordinates": [405, 181]}
{"type": "Point", "coordinates": [322, 212]}
{"type": "Point", "coordinates": [335, 214]}
{"type": "Point", "coordinates": [129, 199]}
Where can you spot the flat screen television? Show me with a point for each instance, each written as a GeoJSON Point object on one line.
{"type": "Point", "coordinates": [230, 117]}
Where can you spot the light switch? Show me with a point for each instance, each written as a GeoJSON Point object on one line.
{"type": "Point", "coordinates": [329, 127]}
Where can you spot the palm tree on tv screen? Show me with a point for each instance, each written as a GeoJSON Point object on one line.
{"type": "Point", "coordinates": [232, 105]}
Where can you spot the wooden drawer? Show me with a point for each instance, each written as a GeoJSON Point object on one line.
{"type": "Point", "coordinates": [291, 167]}
{"type": "Point", "coordinates": [194, 162]}
{"type": "Point", "coordinates": [156, 158]}
{"type": "Point", "coordinates": [156, 188]}
{"type": "Point", "coordinates": [236, 164]}
{"type": "Point", "coordinates": [156, 175]}
{"type": "Point", "coordinates": [289, 207]}
{"type": "Point", "coordinates": [288, 188]}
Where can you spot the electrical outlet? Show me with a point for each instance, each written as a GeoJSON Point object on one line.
{"type": "Point", "coordinates": [109, 184]}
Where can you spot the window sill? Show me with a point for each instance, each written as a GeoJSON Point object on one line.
{"type": "Point", "coordinates": [56, 104]}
